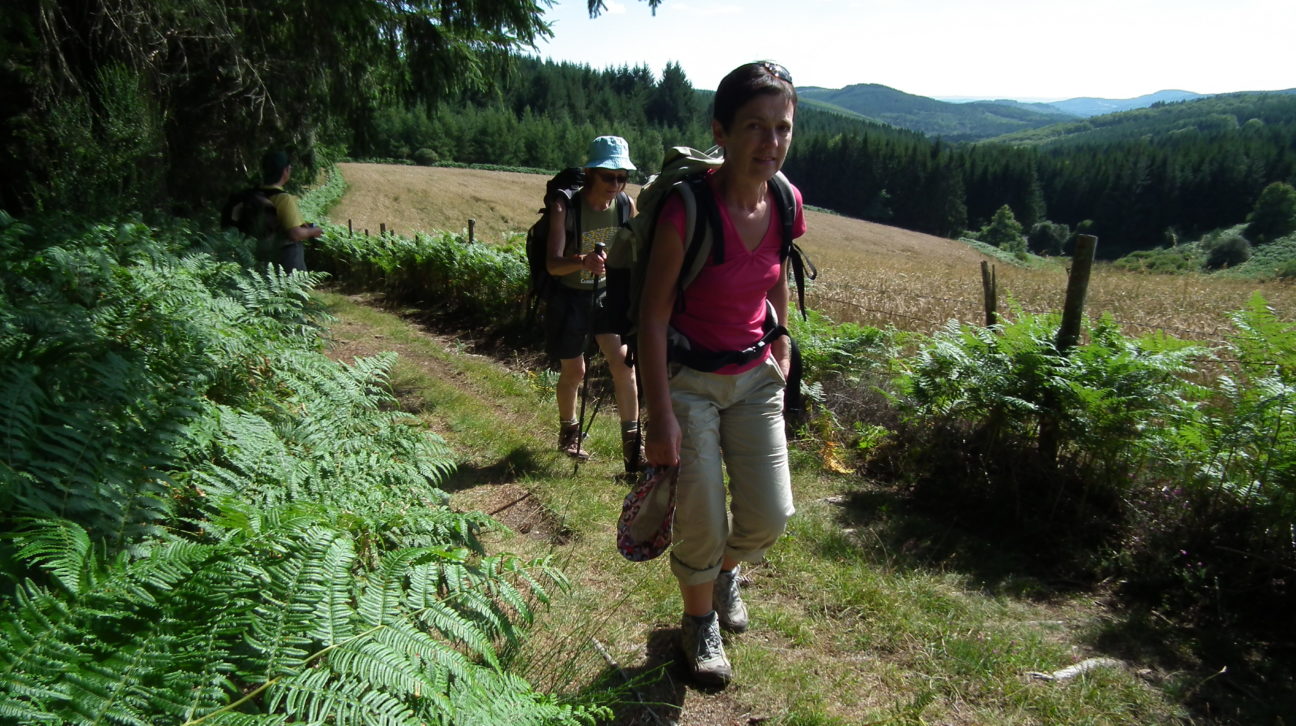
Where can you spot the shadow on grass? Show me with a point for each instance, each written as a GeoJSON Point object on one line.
{"type": "Point", "coordinates": [1222, 675]}
{"type": "Point", "coordinates": [655, 691]}
{"type": "Point", "coordinates": [1002, 562]}
{"type": "Point", "coordinates": [519, 463]}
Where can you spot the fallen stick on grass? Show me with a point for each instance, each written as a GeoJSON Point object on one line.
{"type": "Point", "coordinates": [1083, 666]}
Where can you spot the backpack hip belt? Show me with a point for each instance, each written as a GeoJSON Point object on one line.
{"type": "Point", "coordinates": [679, 349]}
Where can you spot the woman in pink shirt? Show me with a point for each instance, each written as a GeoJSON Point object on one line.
{"type": "Point", "coordinates": [728, 419]}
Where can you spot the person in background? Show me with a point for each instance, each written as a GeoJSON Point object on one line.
{"type": "Point", "coordinates": [275, 172]}
{"type": "Point", "coordinates": [729, 420]}
{"type": "Point", "coordinates": [578, 309]}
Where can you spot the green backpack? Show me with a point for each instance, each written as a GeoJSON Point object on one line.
{"type": "Point", "coordinates": [683, 172]}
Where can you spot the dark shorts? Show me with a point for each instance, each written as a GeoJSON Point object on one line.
{"type": "Point", "coordinates": [567, 316]}
{"type": "Point", "coordinates": [292, 256]}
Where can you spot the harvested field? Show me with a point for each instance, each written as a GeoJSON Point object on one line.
{"type": "Point", "coordinates": [869, 273]}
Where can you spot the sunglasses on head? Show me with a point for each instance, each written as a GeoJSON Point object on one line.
{"type": "Point", "coordinates": [777, 71]}
{"type": "Point", "coordinates": [613, 179]}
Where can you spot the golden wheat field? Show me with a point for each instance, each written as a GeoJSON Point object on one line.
{"type": "Point", "coordinates": [868, 273]}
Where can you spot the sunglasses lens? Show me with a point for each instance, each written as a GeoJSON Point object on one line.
{"type": "Point", "coordinates": [778, 72]}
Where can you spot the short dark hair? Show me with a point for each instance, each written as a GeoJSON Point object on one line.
{"type": "Point", "coordinates": [273, 165]}
{"type": "Point", "coordinates": [746, 82]}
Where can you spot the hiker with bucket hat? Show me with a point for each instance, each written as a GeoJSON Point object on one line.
{"type": "Point", "coordinates": [577, 310]}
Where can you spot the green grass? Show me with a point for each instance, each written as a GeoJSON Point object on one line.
{"type": "Point", "coordinates": [854, 620]}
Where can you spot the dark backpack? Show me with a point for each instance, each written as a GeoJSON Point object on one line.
{"type": "Point", "coordinates": [252, 213]}
{"type": "Point", "coordinates": [683, 173]}
{"type": "Point", "coordinates": [566, 183]}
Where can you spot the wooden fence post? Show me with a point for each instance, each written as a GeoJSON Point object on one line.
{"type": "Point", "coordinates": [1077, 288]}
{"type": "Point", "coordinates": [350, 229]}
{"type": "Point", "coordinates": [991, 291]}
{"type": "Point", "coordinates": [382, 229]}
{"type": "Point", "coordinates": [1067, 336]}
{"type": "Point", "coordinates": [472, 226]}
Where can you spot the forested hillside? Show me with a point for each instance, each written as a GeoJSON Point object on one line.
{"type": "Point", "coordinates": [951, 121]}
{"type": "Point", "coordinates": [138, 128]}
{"type": "Point", "coordinates": [1154, 176]}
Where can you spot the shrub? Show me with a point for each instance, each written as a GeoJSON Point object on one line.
{"type": "Point", "coordinates": [1217, 539]}
{"type": "Point", "coordinates": [1048, 238]}
{"type": "Point", "coordinates": [426, 157]}
{"type": "Point", "coordinates": [1274, 214]}
{"type": "Point", "coordinates": [1041, 442]}
{"type": "Point", "coordinates": [206, 519]}
{"type": "Point", "coordinates": [1226, 250]}
{"type": "Point", "coordinates": [1286, 271]}
{"type": "Point", "coordinates": [1163, 260]}
{"type": "Point", "coordinates": [1004, 231]}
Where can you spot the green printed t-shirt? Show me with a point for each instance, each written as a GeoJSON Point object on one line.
{"type": "Point", "coordinates": [596, 226]}
{"type": "Point", "coordinates": [286, 209]}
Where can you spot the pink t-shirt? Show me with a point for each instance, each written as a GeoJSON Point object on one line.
{"type": "Point", "coordinates": [724, 308]}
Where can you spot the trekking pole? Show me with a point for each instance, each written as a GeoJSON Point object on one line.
{"type": "Point", "coordinates": [598, 403]}
{"type": "Point", "coordinates": [589, 335]}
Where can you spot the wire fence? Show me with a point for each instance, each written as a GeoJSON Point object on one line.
{"type": "Point", "coordinates": [972, 310]}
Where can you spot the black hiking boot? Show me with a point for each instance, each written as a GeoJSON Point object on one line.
{"type": "Point", "coordinates": [632, 452]}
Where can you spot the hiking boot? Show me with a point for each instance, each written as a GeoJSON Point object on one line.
{"type": "Point", "coordinates": [704, 652]}
{"type": "Point", "coordinates": [569, 441]}
{"type": "Point", "coordinates": [632, 452]}
{"type": "Point", "coordinates": [729, 606]}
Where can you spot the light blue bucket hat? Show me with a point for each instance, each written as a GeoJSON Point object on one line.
{"type": "Point", "coordinates": [609, 152]}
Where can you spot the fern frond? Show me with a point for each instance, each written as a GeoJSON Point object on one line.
{"type": "Point", "coordinates": [324, 696]}
{"type": "Point", "coordinates": [435, 658]}
{"type": "Point", "coordinates": [455, 626]}
{"type": "Point", "coordinates": [62, 548]}
{"type": "Point", "coordinates": [37, 645]}
{"type": "Point", "coordinates": [334, 619]}
{"type": "Point", "coordinates": [116, 689]}
{"type": "Point", "coordinates": [297, 584]}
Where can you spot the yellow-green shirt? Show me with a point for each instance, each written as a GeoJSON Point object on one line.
{"type": "Point", "coordinates": [596, 226]}
{"type": "Point", "coordinates": [286, 209]}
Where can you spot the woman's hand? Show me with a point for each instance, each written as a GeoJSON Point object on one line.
{"type": "Point", "coordinates": [662, 445]}
{"type": "Point", "coordinates": [592, 263]}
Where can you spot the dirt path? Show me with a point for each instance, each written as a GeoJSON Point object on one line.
{"type": "Point", "coordinates": [480, 485]}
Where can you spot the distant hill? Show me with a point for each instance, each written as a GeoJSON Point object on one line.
{"type": "Point", "coordinates": [984, 119]}
{"type": "Point", "coordinates": [1170, 121]}
{"type": "Point", "coordinates": [951, 121]}
{"type": "Point", "coordinates": [1087, 107]}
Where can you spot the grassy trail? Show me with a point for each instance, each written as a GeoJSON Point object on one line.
{"type": "Point", "coordinates": [853, 619]}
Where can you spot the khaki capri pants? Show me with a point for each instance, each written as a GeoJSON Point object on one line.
{"type": "Point", "coordinates": [737, 419]}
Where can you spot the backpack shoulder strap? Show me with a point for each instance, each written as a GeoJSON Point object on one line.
{"type": "Point", "coordinates": [786, 202]}
{"type": "Point", "coordinates": [703, 227]}
{"type": "Point", "coordinates": [623, 208]}
{"type": "Point", "coordinates": [570, 197]}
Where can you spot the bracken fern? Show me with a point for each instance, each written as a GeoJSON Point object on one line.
{"type": "Point", "coordinates": [212, 522]}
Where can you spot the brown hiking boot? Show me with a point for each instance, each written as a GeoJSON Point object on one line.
{"type": "Point", "coordinates": [632, 452]}
{"type": "Point", "coordinates": [570, 440]}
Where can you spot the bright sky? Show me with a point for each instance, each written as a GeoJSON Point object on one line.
{"type": "Point", "coordinates": [1023, 49]}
